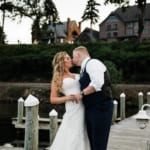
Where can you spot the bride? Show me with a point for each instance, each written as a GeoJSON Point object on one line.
{"type": "Point", "coordinates": [72, 134]}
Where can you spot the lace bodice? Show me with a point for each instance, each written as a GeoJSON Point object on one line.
{"type": "Point", "coordinates": [71, 86]}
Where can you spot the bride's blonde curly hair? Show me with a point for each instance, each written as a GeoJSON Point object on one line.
{"type": "Point", "coordinates": [58, 69]}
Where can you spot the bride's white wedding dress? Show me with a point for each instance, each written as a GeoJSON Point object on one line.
{"type": "Point", "coordinates": [72, 134]}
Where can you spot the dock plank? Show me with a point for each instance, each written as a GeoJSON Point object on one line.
{"type": "Point", "coordinates": [126, 135]}
{"type": "Point", "coordinates": [10, 148]}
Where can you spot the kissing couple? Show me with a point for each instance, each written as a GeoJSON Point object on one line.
{"type": "Point", "coordinates": [88, 101]}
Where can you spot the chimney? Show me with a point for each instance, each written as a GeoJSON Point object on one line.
{"type": "Point", "coordinates": [68, 28]}
{"type": "Point", "coordinates": [80, 27]}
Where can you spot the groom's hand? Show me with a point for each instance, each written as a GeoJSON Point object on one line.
{"type": "Point", "coordinates": [78, 97]}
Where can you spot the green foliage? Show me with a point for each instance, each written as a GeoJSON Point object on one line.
{"type": "Point", "coordinates": [91, 13]}
{"type": "Point", "coordinates": [116, 75]}
{"type": "Point", "coordinates": [127, 63]}
{"type": "Point", "coordinates": [14, 92]}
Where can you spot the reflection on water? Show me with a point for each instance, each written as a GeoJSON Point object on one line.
{"type": "Point", "coordinates": [8, 133]}
{"type": "Point", "coordinates": [7, 130]}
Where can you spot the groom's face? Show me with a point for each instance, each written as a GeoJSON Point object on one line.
{"type": "Point", "coordinates": [76, 58]}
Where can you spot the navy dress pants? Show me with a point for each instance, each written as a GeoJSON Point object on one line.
{"type": "Point", "coordinates": [98, 120]}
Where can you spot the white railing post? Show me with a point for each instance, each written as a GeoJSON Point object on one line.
{"type": "Point", "coordinates": [20, 110]}
{"type": "Point", "coordinates": [31, 125]}
{"type": "Point", "coordinates": [53, 115]}
{"type": "Point", "coordinates": [148, 97]}
{"type": "Point", "coordinates": [140, 99]}
{"type": "Point", "coordinates": [122, 106]}
{"type": "Point", "coordinates": [148, 145]}
{"type": "Point", "coordinates": [114, 118]}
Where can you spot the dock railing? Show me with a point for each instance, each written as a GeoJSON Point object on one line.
{"type": "Point", "coordinates": [32, 120]}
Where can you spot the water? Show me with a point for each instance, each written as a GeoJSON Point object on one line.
{"type": "Point", "coordinates": [7, 130]}
{"type": "Point", "coordinates": [9, 134]}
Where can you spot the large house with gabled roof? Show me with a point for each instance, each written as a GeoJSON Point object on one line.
{"type": "Point", "coordinates": [123, 25]}
{"type": "Point", "coordinates": [63, 32]}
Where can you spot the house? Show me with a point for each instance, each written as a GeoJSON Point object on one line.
{"type": "Point", "coordinates": [64, 32]}
{"type": "Point", "coordinates": [123, 25]}
{"type": "Point", "coordinates": [88, 35]}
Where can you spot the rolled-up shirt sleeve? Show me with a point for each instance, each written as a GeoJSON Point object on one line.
{"type": "Point", "coordinates": [96, 69]}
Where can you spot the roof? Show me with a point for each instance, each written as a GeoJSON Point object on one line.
{"type": "Point", "coordinates": [86, 36]}
{"type": "Point", "coordinates": [60, 29]}
{"type": "Point", "coordinates": [130, 14]}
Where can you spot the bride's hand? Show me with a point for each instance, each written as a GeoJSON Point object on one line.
{"type": "Point", "coordinates": [71, 98]}
{"type": "Point", "coordinates": [78, 97]}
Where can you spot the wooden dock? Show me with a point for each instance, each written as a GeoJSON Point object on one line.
{"type": "Point", "coordinates": [126, 135]}
{"type": "Point", "coordinates": [11, 148]}
{"type": "Point", "coordinates": [43, 123]}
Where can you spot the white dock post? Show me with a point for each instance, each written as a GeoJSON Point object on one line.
{"type": "Point", "coordinates": [140, 99]}
{"type": "Point", "coordinates": [148, 97]}
{"type": "Point", "coordinates": [148, 145]}
{"type": "Point", "coordinates": [53, 124]}
{"type": "Point", "coordinates": [114, 118]}
{"type": "Point", "coordinates": [122, 106]}
{"type": "Point", "coordinates": [20, 110]}
{"type": "Point", "coordinates": [31, 126]}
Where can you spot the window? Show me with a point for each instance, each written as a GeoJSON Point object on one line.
{"type": "Point", "coordinates": [112, 27]}
{"type": "Point", "coordinates": [115, 34]}
{"type": "Point", "coordinates": [109, 35]}
{"type": "Point", "coordinates": [109, 27]}
{"type": "Point", "coordinates": [145, 31]}
{"type": "Point", "coordinates": [61, 40]}
{"type": "Point", "coordinates": [129, 32]}
{"type": "Point", "coordinates": [129, 25]}
{"type": "Point", "coordinates": [146, 23]}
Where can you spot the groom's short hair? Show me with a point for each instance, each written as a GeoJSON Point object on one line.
{"type": "Point", "coordinates": [82, 49]}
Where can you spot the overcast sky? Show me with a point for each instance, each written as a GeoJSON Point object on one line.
{"type": "Point", "coordinates": [66, 8]}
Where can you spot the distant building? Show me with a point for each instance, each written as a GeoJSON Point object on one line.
{"type": "Point", "coordinates": [88, 35]}
{"type": "Point", "coordinates": [121, 25]}
{"type": "Point", "coordinates": [64, 32]}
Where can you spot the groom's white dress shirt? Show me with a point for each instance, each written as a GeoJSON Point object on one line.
{"type": "Point", "coordinates": [95, 68]}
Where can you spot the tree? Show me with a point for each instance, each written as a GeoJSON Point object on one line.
{"type": "Point", "coordinates": [51, 12]}
{"type": "Point", "coordinates": [91, 13]}
{"type": "Point", "coordinates": [2, 36]}
{"type": "Point", "coordinates": [141, 4]}
{"type": "Point", "coordinates": [4, 6]}
{"type": "Point", "coordinates": [39, 11]}
{"type": "Point", "coordinates": [52, 18]}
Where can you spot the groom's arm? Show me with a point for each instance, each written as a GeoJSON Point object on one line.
{"type": "Point", "coordinates": [88, 90]}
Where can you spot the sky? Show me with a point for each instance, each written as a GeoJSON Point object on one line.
{"type": "Point", "coordinates": [17, 31]}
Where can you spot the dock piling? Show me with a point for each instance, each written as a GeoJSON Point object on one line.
{"type": "Point", "coordinates": [53, 115]}
{"type": "Point", "coordinates": [31, 125]}
{"type": "Point", "coordinates": [20, 110]}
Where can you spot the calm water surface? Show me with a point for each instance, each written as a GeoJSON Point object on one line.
{"type": "Point", "coordinates": [8, 133]}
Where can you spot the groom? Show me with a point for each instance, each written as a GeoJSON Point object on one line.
{"type": "Point", "coordinates": [96, 96]}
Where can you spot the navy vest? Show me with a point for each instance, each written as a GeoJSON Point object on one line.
{"type": "Point", "coordinates": [96, 97]}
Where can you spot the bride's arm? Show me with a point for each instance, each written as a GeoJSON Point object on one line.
{"type": "Point", "coordinates": [56, 99]}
